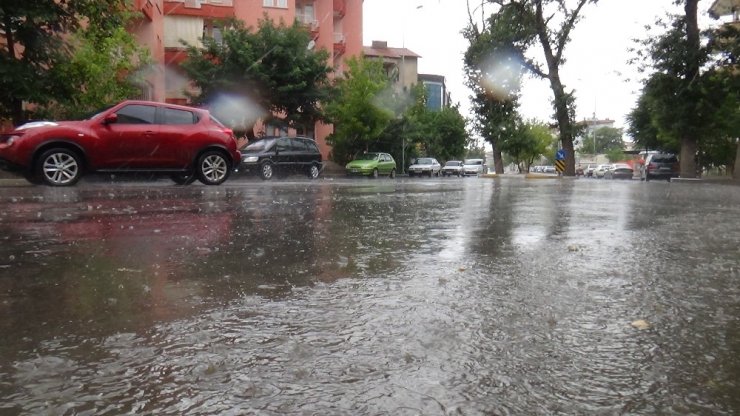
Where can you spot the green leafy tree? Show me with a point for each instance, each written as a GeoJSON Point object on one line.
{"type": "Point", "coordinates": [602, 139]}
{"type": "Point", "coordinates": [102, 69]}
{"type": "Point", "coordinates": [475, 151]}
{"type": "Point", "coordinates": [687, 102]}
{"type": "Point", "coordinates": [532, 141]}
{"type": "Point", "coordinates": [358, 112]}
{"type": "Point", "coordinates": [444, 133]}
{"type": "Point", "coordinates": [272, 68]}
{"type": "Point", "coordinates": [615, 154]}
{"type": "Point", "coordinates": [493, 72]}
{"type": "Point", "coordinates": [522, 25]}
{"type": "Point", "coordinates": [35, 40]}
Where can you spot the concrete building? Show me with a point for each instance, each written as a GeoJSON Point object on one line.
{"type": "Point", "coordinates": [400, 64]}
{"type": "Point", "coordinates": [335, 25]}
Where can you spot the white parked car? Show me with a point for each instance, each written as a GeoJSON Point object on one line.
{"type": "Point", "coordinates": [473, 167]}
{"type": "Point", "coordinates": [425, 166]}
{"type": "Point", "coordinates": [601, 170]}
{"type": "Point", "coordinates": [452, 167]}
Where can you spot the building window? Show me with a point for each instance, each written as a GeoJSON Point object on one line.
{"type": "Point", "coordinates": [213, 30]}
{"type": "Point", "coordinates": [283, 4]}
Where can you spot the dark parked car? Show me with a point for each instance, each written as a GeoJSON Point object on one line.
{"type": "Point", "coordinates": [133, 136]}
{"type": "Point", "coordinates": [660, 166]}
{"type": "Point", "coordinates": [282, 156]}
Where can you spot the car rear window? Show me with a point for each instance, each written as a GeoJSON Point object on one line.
{"type": "Point", "coordinates": [665, 159]}
{"type": "Point", "coordinates": [311, 146]}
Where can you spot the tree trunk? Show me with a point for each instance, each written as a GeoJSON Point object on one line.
{"type": "Point", "coordinates": [689, 144]}
{"type": "Point", "coordinates": [736, 166]}
{"type": "Point", "coordinates": [562, 101]}
{"type": "Point", "coordinates": [688, 157]}
{"type": "Point", "coordinates": [498, 161]}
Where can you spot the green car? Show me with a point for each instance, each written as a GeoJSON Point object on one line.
{"type": "Point", "coordinates": [372, 164]}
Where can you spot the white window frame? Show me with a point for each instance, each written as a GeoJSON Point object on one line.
{"type": "Point", "coordinates": [280, 4]}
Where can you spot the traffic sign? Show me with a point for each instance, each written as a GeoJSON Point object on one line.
{"type": "Point", "coordinates": [560, 154]}
{"type": "Point", "coordinates": [560, 165]}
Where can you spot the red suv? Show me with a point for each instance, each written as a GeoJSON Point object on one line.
{"type": "Point", "coordinates": [133, 136]}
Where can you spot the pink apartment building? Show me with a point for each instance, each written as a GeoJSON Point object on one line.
{"type": "Point", "coordinates": [336, 25]}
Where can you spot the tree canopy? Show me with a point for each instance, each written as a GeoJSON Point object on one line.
{"type": "Point", "coordinates": [357, 112]}
{"type": "Point", "coordinates": [511, 31]}
{"type": "Point", "coordinates": [689, 102]}
{"type": "Point", "coordinates": [39, 42]}
{"type": "Point", "coordinates": [602, 140]}
{"type": "Point", "coordinates": [272, 68]}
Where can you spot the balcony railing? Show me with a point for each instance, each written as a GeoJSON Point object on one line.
{"type": "Point", "coordinates": [339, 44]}
{"type": "Point", "coordinates": [340, 7]}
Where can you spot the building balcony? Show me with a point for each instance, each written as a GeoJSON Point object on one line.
{"type": "Point", "coordinates": [340, 7]}
{"type": "Point", "coordinates": [175, 56]}
{"type": "Point", "coordinates": [202, 8]}
{"type": "Point", "coordinates": [146, 7]}
{"type": "Point", "coordinates": [340, 45]}
{"type": "Point", "coordinates": [310, 23]}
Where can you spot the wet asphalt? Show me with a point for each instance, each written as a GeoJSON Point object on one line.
{"type": "Point", "coordinates": [353, 296]}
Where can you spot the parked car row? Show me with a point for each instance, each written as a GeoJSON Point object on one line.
{"type": "Point", "coordinates": [184, 143]}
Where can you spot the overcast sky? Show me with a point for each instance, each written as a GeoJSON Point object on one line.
{"type": "Point", "coordinates": [596, 56]}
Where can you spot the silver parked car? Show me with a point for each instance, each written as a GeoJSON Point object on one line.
{"type": "Point", "coordinates": [452, 167]}
{"type": "Point", "coordinates": [425, 166]}
{"type": "Point", "coordinates": [474, 167]}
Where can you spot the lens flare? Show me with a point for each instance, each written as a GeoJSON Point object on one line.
{"type": "Point", "coordinates": [502, 74]}
{"type": "Point", "coordinates": [237, 112]}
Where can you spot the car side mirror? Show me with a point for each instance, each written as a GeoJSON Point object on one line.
{"type": "Point", "coordinates": [110, 118]}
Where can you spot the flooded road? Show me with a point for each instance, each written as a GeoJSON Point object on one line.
{"type": "Point", "coordinates": [359, 297]}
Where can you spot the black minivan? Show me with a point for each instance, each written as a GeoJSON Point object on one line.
{"type": "Point", "coordinates": [281, 156]}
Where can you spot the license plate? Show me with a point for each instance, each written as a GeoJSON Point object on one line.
{"type": "Point", "coordinates": [354, 171]}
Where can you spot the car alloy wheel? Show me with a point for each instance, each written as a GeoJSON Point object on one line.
{"type": "Point", "coordinates": [375, 173]}
{"type": "Point", "coordinates": [266, 171]}
{"type": "Point", "coordinates": [213, 168]}
{"type": "Point", "coordinates": [59, 167]}
{"type": "Point", "coordinates": [313, 172]}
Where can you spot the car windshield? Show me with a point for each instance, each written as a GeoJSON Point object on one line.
{"type": "Point", "coordinates": [94, 114]}
{"type": "Point", "coordinates": [259, 145]}
{"type": "Point", "coordinates": [424, 161]}
{"type": "Point", "coordinates": [367, 156]}
{"type": "Point", "coordinates": [452, 164]}
{"type": "Point", "coordinates": [473, 162]}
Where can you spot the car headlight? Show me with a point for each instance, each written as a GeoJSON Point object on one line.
{"type": "Point", "coordinates": [250, 159]}
{"type": "Point", "coordinates": [10, 140]}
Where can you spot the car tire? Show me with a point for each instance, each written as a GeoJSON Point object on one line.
{"type": "Point", "coordinates": [59, 167]}
{"type": "Point", "coordinates": [213, 168]}
{"type": "Point", "coordinates": [313, 171]}
{"type": "Point", "coordinates": [267, 171]}
{"type": "Point", "coordinates": [393, 174]}
{"type": "Point", "coordinates": [183, 178]}
{"type": "Point", "coordinates": [375, 173]}
{"type": "Point", "coordinates": [33, 178]}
